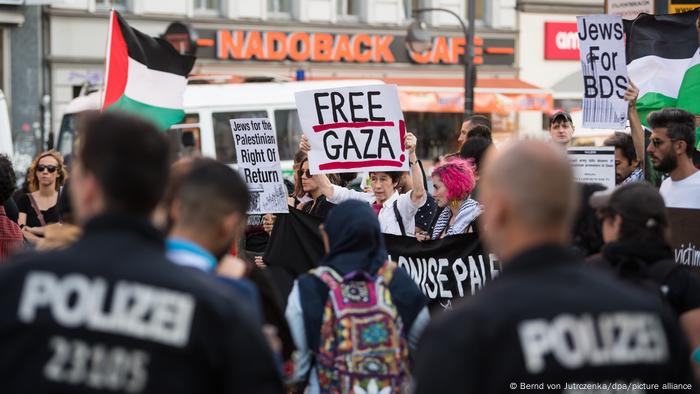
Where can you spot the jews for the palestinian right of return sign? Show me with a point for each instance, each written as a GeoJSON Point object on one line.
{"type": "Point", "coordinates": [353, 129]}
{"type": "Point", "coordinates": [259, 164]}
{"type": "Point", "coordinates": [604, 71]}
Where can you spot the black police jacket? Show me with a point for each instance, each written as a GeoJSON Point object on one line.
{"type": "Point", "coordinates": [551, 324]}
{"type": "Point", "coordinates": [111, 314]}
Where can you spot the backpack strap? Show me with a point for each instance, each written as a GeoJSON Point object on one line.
{"type": "Point", "coordinates": [386, 272]}
{"type": "Point", "coordinates": [328, 276]}
{"type": "Point", "coordinates": [399, 219]}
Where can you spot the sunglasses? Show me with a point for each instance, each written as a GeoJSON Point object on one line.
{"type": "Point", "coordinates": [51, 169]}
{"type": "Point", "coordinates": [302, 172]}
{"type": "Point", "coordinates": [658, 142]}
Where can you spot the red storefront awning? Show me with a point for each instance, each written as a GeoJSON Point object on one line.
{"type": "Point", "coordinates": [498, 95]}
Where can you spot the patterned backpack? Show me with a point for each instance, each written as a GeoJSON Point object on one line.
{"type": "Point", "coordinates": [362, 348]}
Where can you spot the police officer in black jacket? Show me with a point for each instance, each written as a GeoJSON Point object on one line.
{"type": "Point", "coordinates": [110, 314]}
{"type": "Point", "coordinates": [548, 323]}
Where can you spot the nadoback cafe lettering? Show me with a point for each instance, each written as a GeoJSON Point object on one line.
{"type": "Point", "coordinates": [300, 46]}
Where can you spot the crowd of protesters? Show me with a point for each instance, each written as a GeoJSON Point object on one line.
{"type": "Point", "coordinates": [138, 275]}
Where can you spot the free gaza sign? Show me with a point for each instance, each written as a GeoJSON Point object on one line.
{"type": "Point", "coordinates": [353, 129]}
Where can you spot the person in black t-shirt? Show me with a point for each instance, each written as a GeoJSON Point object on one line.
{"type": "Point", "coordinates": [39, 207]}
{"type": "Point", "coordinates": [111, 314]}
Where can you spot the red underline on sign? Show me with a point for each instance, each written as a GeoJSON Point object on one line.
{"type": "Point", "coordinates": [359, 164]}
{"type": "Point", "coordinates": [355, 125]}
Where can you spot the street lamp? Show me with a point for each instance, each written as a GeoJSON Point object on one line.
{"type": "Point", "coordinates": [419, 39]}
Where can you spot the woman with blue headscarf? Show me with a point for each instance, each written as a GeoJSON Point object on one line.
{"type": "Point", "coordinates": [354, 243]}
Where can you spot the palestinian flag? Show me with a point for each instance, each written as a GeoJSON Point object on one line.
{"type": "Point", "coordinates": [663, 60]}
{"type": "Point", "coordinates": [144, 75]}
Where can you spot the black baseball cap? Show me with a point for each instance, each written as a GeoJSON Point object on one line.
{"type": "Point", "coordinates": [560, 114]}
{"type": "Point", "coordinates": [638, 201]}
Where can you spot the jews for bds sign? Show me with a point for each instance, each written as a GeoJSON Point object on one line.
{"type": "Point", "coordinates": [353, 128]}
{"type": "Point", "coordinates": [604, 71]}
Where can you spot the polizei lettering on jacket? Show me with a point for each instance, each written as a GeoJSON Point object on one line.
{"type": "Point", "coordinates": [618, 338]}
{"type": "Point", "coordinates": [128, 308]}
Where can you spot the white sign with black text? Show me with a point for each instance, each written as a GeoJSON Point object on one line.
{"type": "Point", "coordinates": [629, 9]}
{"type": "Point", "coordinates": [259, 165]}
{"type": "Point", "coordinates": [594, 165]}
{"type": "Point", "coordinates": [353, 129]}
{"type": "Point", "coordinates": [602, 49]}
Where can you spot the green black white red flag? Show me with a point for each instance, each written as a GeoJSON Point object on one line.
{"type": "Point", "coordinates": [663, 60]}
{"type": "Point", "coordinates": [144, 75]}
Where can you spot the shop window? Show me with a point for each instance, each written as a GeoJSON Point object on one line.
{"type": "Point", "coordinates": [223, 138]}
{"type": "Point", "coordinates": [207, 7]}
{"type": "Point", "coordinates": [119, 5]}
{"type": "Point", "coordinates": [279, 8]}
{"type": "Point", "coordinates": [437, 132]}
{"type": "Point", "coordinates": [348, 9]}
{"type": "Point", "coordinates": [288, 129]}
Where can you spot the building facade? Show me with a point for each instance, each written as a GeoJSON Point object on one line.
{"type": "Point", "coordinates": [318, 39]}
{"type": "Point", "coordinates": [23, 77]}
{"type": "Point", "coordinates": [552, 57]}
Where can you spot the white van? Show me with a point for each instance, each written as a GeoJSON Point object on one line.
{"type": "Point", "coordinates": [209, 107]}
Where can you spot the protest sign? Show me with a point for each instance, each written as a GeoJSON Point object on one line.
{"type": "Point", "coordinates": [445, 270]}
{"type": "Point", "coordinates": [685, 236]}
{"type": "Point", "coordinates": [353, 129]}
{"type": "Point", "coordinates": [629, 9]}
{"type": "Point", "coordinates": [259, 164]}
{"type": "Point", "coordinates": [604, 68]}
{"type": "Point", "coordinates": [594, 165]}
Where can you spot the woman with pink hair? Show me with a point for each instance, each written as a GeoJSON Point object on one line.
{"type": "Point", "coordinates": [454, 182]}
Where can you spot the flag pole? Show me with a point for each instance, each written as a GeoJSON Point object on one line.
{"type": "Point", "coordinates": [107, 52]}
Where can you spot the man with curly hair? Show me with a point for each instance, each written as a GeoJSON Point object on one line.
{"type": "Point", "coordinates": [11, 239]}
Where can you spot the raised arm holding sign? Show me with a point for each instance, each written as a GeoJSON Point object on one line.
{"type": "Point", "coordinates": [396, 211]}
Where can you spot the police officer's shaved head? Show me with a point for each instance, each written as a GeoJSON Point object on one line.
{"type": "Point", "coordinates": [529, 192]}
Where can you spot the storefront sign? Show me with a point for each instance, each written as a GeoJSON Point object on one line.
{"type": "Point", "coordinates": [560, 41]}
{"type": "Point", "coordinates": [326, 47]}
{"type": "Point", "coordinates": [678, 6]}
{"type": "Point", "coordinates": [629, 9]}
{"type": "Point", "coordinates": [353, 128]}
{"type": "Point", "coordinates": [594, 165]}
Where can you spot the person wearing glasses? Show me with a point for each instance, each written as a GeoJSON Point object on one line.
{"type": "Point", "coordinates": [314, 202]}
{"type": "Point", "coordinates": [671, 150]}
{"type": "Point", "coordinates": [39, 207]}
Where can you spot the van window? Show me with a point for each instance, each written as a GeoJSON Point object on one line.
{"type": "Point", "coordinates": [66, 134]}
{"type": "Point", "coordinates": [184, 138]}
{"type": "Point", "coordinates": [223, 138]}
{"type": "Point", "coordinates": [288, 132]}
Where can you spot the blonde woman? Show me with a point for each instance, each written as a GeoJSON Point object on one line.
{"type": "Point", "coordinates": [39, 207]}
